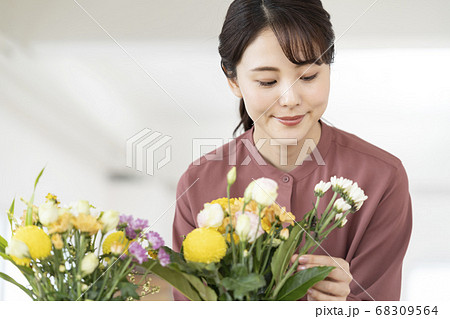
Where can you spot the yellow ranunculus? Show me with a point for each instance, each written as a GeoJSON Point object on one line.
{"type": "Point", "coordinates": [38, 242]}
{"type": "Point", "coordinates": [204, 245]}
{"type": "Point", "coordinates": [115, 242]}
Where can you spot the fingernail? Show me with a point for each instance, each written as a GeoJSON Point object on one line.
{"type": "Point", "coordinates": [301, 267]}
{"type": "Point", "coordinates": [303, 259]}
{"type": "Point", "coordinates": [310, 291]}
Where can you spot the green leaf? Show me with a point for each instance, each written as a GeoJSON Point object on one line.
{"type": "Point", "coordinates": [3, 244]}
{"type": "Point", "coordinates": [29, 216]}
{"type": "Point", "coordinates": [205, 292]}
{"type": "Point", "coordinates": [243, 285]}
{"type": "Point", "coordinates": [297, 285]}
{"type": "Point", "coordinates": [128, 289]}
{"type": "Point", "coordinates": [23, 269]}
{"type": "Point", "coordinates": [8, 278]}
{"type": "Point", "coordinates": [11, 214]}
{"type": "Point", "coordinates": [284, 252]}
{"type": "Point", "coordinates": [173, 277]}
{"type": "Point", "coordinates": [39, 176]}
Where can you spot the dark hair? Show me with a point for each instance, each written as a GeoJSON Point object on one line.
{"type": "Point", "coordinates": [301, 27]}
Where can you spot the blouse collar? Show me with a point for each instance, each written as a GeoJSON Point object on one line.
{"type": "Point", "coordinates": [301, 171]}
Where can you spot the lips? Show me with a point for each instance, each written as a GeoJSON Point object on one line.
{"type": "Point", "coordinates": [289, 118]}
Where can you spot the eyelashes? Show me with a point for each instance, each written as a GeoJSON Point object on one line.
{"type": "Point", "coordinates": [268, 84]}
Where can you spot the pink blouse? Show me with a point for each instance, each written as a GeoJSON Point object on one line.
{"type": "Point", "coordinates": [374, 240]}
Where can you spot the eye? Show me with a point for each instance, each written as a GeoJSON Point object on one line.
{"type": "Point", "coordinates": [309, 78]}
{"type": "Point", "coordinates": [266, 84]}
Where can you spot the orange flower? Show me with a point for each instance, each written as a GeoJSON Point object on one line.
{"type": "Point", "coordinates": [57, 241]}
{"type": "Point", "coordinates": [63, 224]}
{"type": "Point", "coordinates": [87, 223]}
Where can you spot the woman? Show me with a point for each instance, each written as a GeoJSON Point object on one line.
{"type": "Point", "coordinates": [276, 55]}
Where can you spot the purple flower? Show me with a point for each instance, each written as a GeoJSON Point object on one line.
{"type": "Point", "coordinates": [138, 252]}
{"type": "Point", "coordinates": [164, 258]}
{"type": "Point", "coordinates": [124, 219]}
{"type": "Point", "coordinates": [130, 233]}
{"type": "Point", "coordinates": [155, 240]}
{"type": "Point", "coordinates": [139, 224]}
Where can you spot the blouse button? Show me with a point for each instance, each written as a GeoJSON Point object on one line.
{"type": "Point", "coordinates": [286, 178]}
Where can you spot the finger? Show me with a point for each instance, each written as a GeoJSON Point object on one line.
{"type": "Point", "coordinates": [293, 258]}
{"type": "Point", "coordinates": [337, 289]}
{"type": "Point", "coordinates": [323, 260]}
{"type": "Point", "coordinates": [337, 274]}
{"type": "Point", "coordinates": [317, 295]}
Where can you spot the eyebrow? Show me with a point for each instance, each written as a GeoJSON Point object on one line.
{"type": "Point", "coordinates": [271, 68]}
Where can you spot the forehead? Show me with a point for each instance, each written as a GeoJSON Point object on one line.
{"type": "Point", "coordinates": [265, 50]}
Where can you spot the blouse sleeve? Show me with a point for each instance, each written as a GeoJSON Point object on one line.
{"type": "Point", "coordinates": [377, 264]}
{"type": "Point", "coordinates": [183, 222]}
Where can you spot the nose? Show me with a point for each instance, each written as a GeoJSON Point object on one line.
{"type": "Point", "coordinates": [290, 95]}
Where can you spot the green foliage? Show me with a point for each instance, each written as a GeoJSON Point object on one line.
{"type": "Point", "coordinates": [297, 285]}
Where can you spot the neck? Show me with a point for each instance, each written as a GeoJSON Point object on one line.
{"type": "Point", "coordinates": [287, 157]}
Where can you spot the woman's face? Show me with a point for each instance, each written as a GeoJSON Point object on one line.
{"type": "Point", "coordinates": [271, 94]}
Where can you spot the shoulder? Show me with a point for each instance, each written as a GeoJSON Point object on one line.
{"type": "Point", "coordinates": [362, 151]}
{"type": "Point", "coordinates": [218, 161]}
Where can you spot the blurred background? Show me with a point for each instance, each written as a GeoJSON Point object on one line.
{"type": "Point", "coordinates": [80, 78]}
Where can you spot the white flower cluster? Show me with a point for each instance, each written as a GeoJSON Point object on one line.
{"type": "Point", "coordinates": [352, 196]}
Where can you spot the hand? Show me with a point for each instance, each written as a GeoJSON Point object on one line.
{"type": "Point", "coordinates": [336, 286]}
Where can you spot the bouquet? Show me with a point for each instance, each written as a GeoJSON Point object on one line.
{"type": "Point", "coordinates": [243, 247]}
{"type": "Point", "coordinates": [79, 256]}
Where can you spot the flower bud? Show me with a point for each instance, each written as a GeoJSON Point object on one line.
{"type": "Point", "coordinates": [321, 188]}
{"type": "Point", "coordinates": [17, 248]}
{"type": "Point", "coordinates": [48, 213]}
{"type": "Point", "coordinates": [62, 268]}
{"type": "Point", "coordinates": [248, 192]}
{"type": "Point", "coordinates": [83, 207]}
{"type": "Point", "coordinates": [89, 263]}
{"type": "Point", "coordinates": [109, 220]}
{"type": "Point", "coordinates": [211, 216]}
{"type": "Point", "coordinates": [231, 176]}
{"type": "Point", "coordinates": [340, 205]}
{"type": "Point", "coordinates": [243, 227]}
{"type": "Point", "coordinates": [84, 287]}
{"type": "Point", "coordinates": [284, 234]}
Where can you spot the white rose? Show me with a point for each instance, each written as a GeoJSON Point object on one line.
{"type": "Point", "coordinates": [17, 248]}
{"type": "Point", "coordinates": [211, 216]}
{"type": "Point", "coordinates": [265, 191]}
{"type": "Point", "coordinates": [48, 213]}
{"type": "Point", "coordinates": [243, 227]}
{"type": "Point", "coordinates": [109, 220]}
{"type": "Point", "coordinates": [89, 263]}
{"type": "Point", "coordinates": [83, 207]}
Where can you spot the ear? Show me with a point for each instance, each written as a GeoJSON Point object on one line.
{"type": "Point", "coordinates": [234, 86]}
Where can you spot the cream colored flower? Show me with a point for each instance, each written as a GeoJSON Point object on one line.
{"type": "Point", "coordinates": [89, 263]}
{"type": "Point", "coordinates": [17, 248]}
{"type": "Point", "coordinates": [83, 207]}
{"type": "Point", "coordinates": [110, 220]}
{"type": "Point", "coordinates": [48, 213]}
{"type": "Point", "coordinates": [87, 223]}
{"type": "Point", "coordinates": [356, 195]}
{"type": "Point", "coordinates": [243, 227]}
{"type": "Point", "coordinates": [343, 222]}
{"type": "Point", "coordinates": [248, 192]}
{"type": "Point", "coordinates": [211, 216]}
{"type": "Point", "coordinates": [265, 191]}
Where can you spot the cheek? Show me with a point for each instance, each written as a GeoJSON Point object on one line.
{"type": "Point", "coordinates": [257, 101]}
{"type": "Point", "coordinates": [318, 95]}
